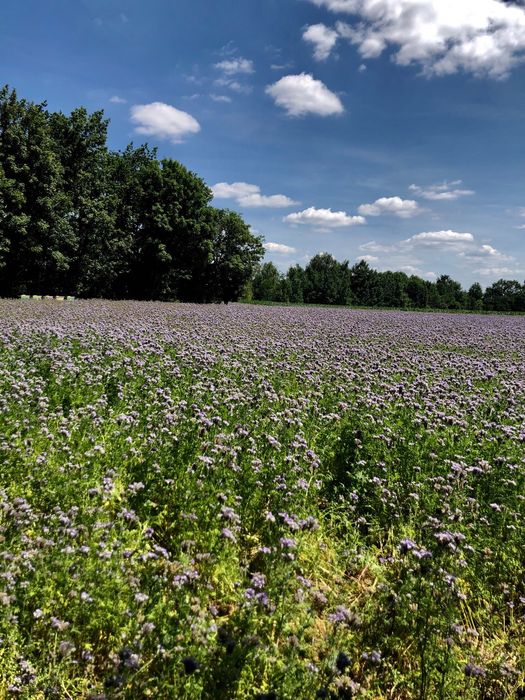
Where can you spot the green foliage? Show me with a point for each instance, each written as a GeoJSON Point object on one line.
{"type": "Point", "coordinates": [450, 293]}
{"type": "Point", "coordinates": [505, 295]}
{"type": "Point", "coordinates": [295, 279]}
{"type": "Point", "coordinates": [326, 281]}
{"type": "Point", "coordinates": [36, 238]}
{"type": "Point", "coordinates": [475, 297]}
{"type": "Point", "coordinates": [78, 219]}
{"type": "Point", "coordinates": [267, 283]}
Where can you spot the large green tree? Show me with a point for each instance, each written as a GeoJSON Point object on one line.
{"type": "Point", "coordinates": [327, 281]}
{"type": "Point", "coordinates": [235, 253]}
{"type": "Point", "coordinates": [295, 278]}
{"type": "Point", "coordinates": [450, 293]}
{"type": "Point", "coordinates": [36, 240]}
{"type": "Point", "coordinates": [267, 283]}
{"type": "Point", "coordinates": [76, 218]}
{"type": "Point", "coordinates": [80, 142]}
{"type": "Point", "coordinates": [475, 297]}
{"type": "Point", "coordinates": [504, 295]}
{"type": "Point", "coordinates": [172, 232]}
{"type": "Point", "coordinates": [364, 282]}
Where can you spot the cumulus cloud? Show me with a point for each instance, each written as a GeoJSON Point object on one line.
{"type": "Point", "coordinates": [302, 94]}
{"type": "Point", "coordinates": [404, 208]}
{"type": "Point", "coordinates": [464, 245]}
{"type": "Point", "coordinates": [461, 244]}
{"type": "Point", "coordinates": [279, 248]}
{"type": "Point", "coordinates": [233, 71]}
{"type": "Point", "coordinates": [432, 237]}
{"type": "Point", "coordinates": [442, 191]}
{"type": "Point", "coordinates": [164, 121]}
{"type": "Point", "coordinates": [235, 66]}
{"type": "Point", "coordinates": [412, 255]}
{"type": "Point", "coordinates": [368, 258]}
{"type": "Point", "coordinates": [247, 195]}
{"type": "Point", "coordinates": [489, 250]}
{"type": "Point", "coordinates": [117, 100]}
{"type": "Point", "coordinates": [482, 37]}
{"type": "Point", "coordinates": [323, 218]}
{"type": "Point", "coordinates": [323, 39]}
{"type": "Point", "coordinates": [484, 253]}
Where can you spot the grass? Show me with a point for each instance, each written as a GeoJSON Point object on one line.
{"type": "Point", "coordinates": [357, 307]}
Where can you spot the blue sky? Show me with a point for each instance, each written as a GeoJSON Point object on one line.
{"type": "Point", "coordinates": [387, 129]}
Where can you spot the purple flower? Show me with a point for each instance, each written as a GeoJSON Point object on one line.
{"type": "Point", "coordinates": [227, 534]}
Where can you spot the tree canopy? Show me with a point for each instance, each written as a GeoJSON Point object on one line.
{"type": "Point", "coordinates": [324, 280]}
{"type": "Point", "coordinates": [79, 219]}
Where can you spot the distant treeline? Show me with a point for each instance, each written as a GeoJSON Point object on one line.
{"type": "Point", "coordinates": [326, 281]}
{"type": "Point", "coordinates": [79, 219]}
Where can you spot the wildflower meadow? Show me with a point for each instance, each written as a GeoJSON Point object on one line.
{"type": "Point", "coordinates": [204, 501]}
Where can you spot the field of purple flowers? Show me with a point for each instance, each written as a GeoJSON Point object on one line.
{"type": "Point", "coordinates": [260, 502]}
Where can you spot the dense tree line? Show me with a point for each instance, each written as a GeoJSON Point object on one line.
{"type": "Point", "coordinates": [326, 281]}
{"type": "Point", "coordinates": [79, 219]}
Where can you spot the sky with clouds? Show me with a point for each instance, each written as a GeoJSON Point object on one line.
{"type": "Point", "coordinates": [389, 130]}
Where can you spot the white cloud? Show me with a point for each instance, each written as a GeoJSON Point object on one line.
{"type": "Point", "coordinates": [275, 201]}
{"type": "Point", "coordinates": [463, 245]}
{"type": "Point", "coordinates": [302, 94]}
{"type": "Point", "coordinates": [368, 258]}
{"type": "Point", "coordinates": [443, 191]}
{"type": "Point", "coordinates": [323, 38]}
{"type": "Point", "coordinates": [324, 218]}
{"type": "Point", "coordinates": [247, 195]}
{"type": "Point", "coordinates": [234, 85]}
{"type": "Point", "coordinates": [117, 100]}
{"type": "Point", "coordinates": [337, 5]}
{"type": "Point", "coordinates": [483, 37]}
{"type": "Point", "coordinates": [220, 98]}
{"type": "Point", "coordinates": [232, 69]}
{"type": "Point", "coordinates": [282, 66]}
{"type": "Point", "coordinates": [499, 271]}
{"type": "Point", "coordinates": [279, 248]}
{"type": "Point", "coordinates": [235, 66]}
{"type": "Point", "coordinates": [426, 239]}
{"type": "Point", "coordinates": [164, 121]}
{"type": "Point", "coordinates": [404, 208]}
{"type": "Point", "coordinates": [489, 250]}
{"type": "Point", "coordinates": [374, 247]}
{"type": "Point", "coordinates": [235, 190]}
{"type": "Point", "coordinates": [521, 227]}
{"type": "Point", "coordinates": [485, 253]}
{"type": "Point", "coordinates": [432, 237]}
{"type": "Point", "coordinates": [410, 269]}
